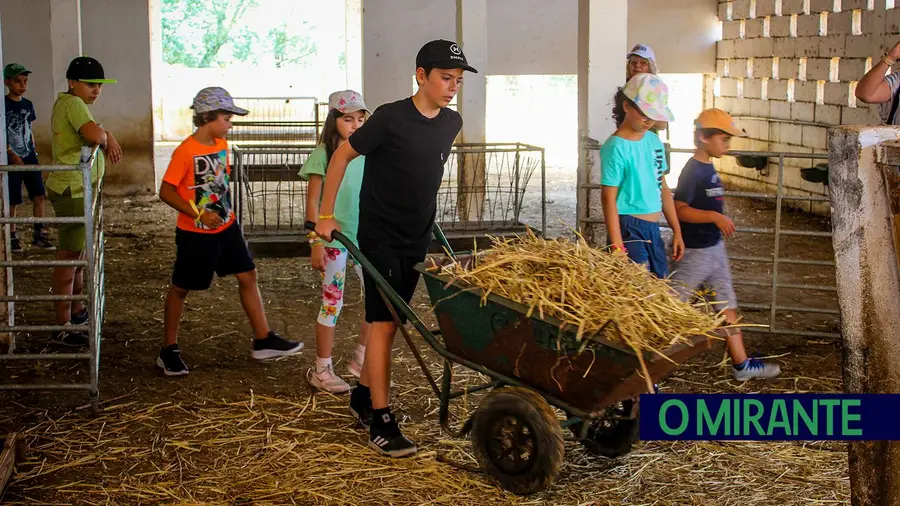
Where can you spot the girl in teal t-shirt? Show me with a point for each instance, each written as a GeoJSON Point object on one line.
{"type": "Point", "coordinates": [347, 112]}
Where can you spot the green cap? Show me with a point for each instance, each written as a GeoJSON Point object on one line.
{"type": "Point", "coordinates": [13, 70]}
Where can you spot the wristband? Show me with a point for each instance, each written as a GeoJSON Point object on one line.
{"type": "Point", "coordinates": [313, 242]}
{"type": "Point", "coordinates": [890, 62]}
{"type": "Point", "coordinates": [194, 207]}
{"type": "Point", "coordinates": [326, 216]}
{"type": "Point", "coordinates": [618, 247]}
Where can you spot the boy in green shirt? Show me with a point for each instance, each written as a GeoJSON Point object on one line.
{"type": "Point", "coordinates": [73, 129]}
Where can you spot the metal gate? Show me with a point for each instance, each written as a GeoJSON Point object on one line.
{"type": "Point", "coordinates": [278, 120]}
{"type": "Point", "coordinates": [270, 197]}
{"type": "Point", "coordinates": [93, 297]}
{"type": "Point", "coordinates": [774, 280]}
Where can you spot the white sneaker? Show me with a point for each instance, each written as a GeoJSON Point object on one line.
{"type": "Point", "coordinates": [327, 381]}
{"type": "Point", "coordinates": [354, 367]}
{"type": "Point", "coordinates": [756, 369]}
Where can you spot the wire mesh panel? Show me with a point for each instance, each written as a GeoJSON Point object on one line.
{"type": "Point", "coordinates": [270, 197]}
{"type": "Point", "coordinates": [484, 186]}
{"type": "Point", "coordinates": [277, 120]}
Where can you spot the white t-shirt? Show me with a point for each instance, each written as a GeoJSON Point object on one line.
{"type": "Point", "coordinates": [884, 110]}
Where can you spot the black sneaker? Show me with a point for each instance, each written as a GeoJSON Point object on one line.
{"type": "Point", "coordinates": [385, 437]}
{"type": "Point", "coordinates": [80, 318]}
{"type": "Point", "coordinates": [169, 360]}
{"type": "Point", "coordinates": [43, 243]}
{"type": "Point", "coordinates": [14, 244]}
{"type": "Point", "coordinates": [361, 406]}
{"type": "Point", "coordinates": [273, 346]}
{"type": "Point", "coordinates": [71, 338]}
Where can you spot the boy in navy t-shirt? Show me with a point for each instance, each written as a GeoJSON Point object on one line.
{"type": "Point", "coordinates": [699, 202]}
{"type": "Point", "coordinates": [20, 150]}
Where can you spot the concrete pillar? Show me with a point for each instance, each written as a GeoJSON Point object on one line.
{"type": "Point", "coordinates": [353, 47]}
{"type": "Point", "coordinates": [65, 39]}
{"type": "Point", "coordinates": [472, 35]}
{"type": "Point", "coordinates": [7, 344]}
{"type": "Point", "coordinates": [602, 31]}
{"type": "Point", "coordinates": [868, 289]}
{"type": "Point", "coordinates": [157, 78]}
{"type": "Point", "coordinates": [393, 32]}
{"type": "Point", "coordinates": [118, 34]}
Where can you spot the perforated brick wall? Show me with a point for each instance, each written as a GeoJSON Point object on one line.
{"type": "Point", "coordinates": [787, 69]}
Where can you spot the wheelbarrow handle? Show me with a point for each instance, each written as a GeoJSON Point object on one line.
{"type": "Point", "coordinates": [442, 240]}
{"type": "Point", "coordinates": [347, 243]}
{"type": "Point", "coordinates": [337, 235]}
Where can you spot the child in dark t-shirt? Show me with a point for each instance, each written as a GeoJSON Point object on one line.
{"type": "Point", "coordinates": [406, 144]}
{"type": "Point", "coordinates": [20, 150]}
{"type": "Point", "coordinates": [699, 202]}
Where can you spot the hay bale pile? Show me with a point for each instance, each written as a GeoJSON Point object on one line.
{"type": "Point", "coordinates": [586, 287]}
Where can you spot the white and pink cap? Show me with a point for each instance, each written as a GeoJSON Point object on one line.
{"type": "Point", "coordinates": [347, 101]}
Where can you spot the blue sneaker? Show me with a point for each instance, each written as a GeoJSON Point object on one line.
{"type": "Point", "coordinates": [754, 368]}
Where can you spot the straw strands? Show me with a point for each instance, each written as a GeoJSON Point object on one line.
{"type": "Point", "coordinates": [265, 451]}
{"type": "Point", "coordinates": [585, 288]}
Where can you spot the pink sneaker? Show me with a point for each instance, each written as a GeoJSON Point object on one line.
{"type": "Point", "coordinates": [354, 367]}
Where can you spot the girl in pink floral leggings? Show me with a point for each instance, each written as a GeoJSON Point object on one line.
{"type": "Point", "coordinates": [347, 112]}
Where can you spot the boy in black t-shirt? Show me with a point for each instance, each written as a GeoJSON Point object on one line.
{"type": "Point", "coordinates": [406, 144]}
{"type": "Point", "coordinates": [700, 204]}
{"type": "Point", "coordinates": [20, 150]}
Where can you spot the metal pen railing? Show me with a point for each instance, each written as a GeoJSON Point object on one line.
{"type": "Point", "coordinates": [94, 296]}
{"type": "Point", "coordinates": [483, 189]}
{"type": "Point", "coordinates": [777, 231]}
{"type": "Point", "coordinates": [278, 121]}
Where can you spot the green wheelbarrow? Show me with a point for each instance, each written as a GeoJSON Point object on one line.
{"type": "Point", "coordinates": [533, 366]}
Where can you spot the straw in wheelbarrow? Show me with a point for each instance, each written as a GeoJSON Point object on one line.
{"type": "Point", "coordinates": [586, 288]}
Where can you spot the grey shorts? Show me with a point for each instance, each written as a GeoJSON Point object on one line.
{"type": "Point", "coordinates": [705, 272]}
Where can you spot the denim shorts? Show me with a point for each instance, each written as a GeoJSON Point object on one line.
{"type": "Point", "coordinates": [644, 244]}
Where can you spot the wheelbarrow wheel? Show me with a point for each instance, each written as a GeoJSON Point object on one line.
{"type": "Point", "coordinates": [517, 440]}
{"type": "Point", "coordinates": [610, 438]}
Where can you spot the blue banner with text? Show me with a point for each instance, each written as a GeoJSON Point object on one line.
{"type": "Point", "coordinates": [775, 417]}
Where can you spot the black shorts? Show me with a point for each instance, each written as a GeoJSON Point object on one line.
{"type": "Point", "coordinates": [399, 271]}
{"type": "Point", "coordinates": [32, 180]}
{"type": "Point", "coordinates": [200, 255]}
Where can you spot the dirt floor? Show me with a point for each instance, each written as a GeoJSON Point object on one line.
{"type": "Point", "coordinates": [236, 431]}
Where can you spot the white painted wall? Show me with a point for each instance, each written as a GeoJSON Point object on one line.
{"type": "Point", "coordinates": [25, 28]}
{"type": "Point", "coordinates": [117, 33]}
{"type": "Point", "coordinates": [682, 33]}
{"type": "Point", "coordinates": [541, 37]}
{"type": "Point", "coordinates": [527, 37]}
{"type": "Point", "coordinates": [393, 32]}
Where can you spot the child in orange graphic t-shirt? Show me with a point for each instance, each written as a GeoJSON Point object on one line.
{"type": "Point", "coordinates": [207, 238]}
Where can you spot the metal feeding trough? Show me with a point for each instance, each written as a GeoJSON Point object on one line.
{"type": "Point", "coordinates": [817, 174]}
{"type": "Point", "coordinates": [752, 162]}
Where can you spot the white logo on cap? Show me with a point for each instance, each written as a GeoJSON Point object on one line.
{"type": "Point", "coordinates": [455, 49]}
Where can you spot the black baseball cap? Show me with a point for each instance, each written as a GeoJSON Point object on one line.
{"type": "Point", "coordinates": [88, 70]}
{"type": "Point", "coordinates": [443, 54]}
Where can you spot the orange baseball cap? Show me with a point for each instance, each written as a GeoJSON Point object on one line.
{"type": "Point", "coordinates": [717, 119]}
